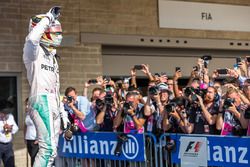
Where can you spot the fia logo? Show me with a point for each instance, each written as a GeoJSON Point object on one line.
{"type": "Point", "coordinates": [130, 149]}
{"type": "Point", "coordinates": [193, 146]}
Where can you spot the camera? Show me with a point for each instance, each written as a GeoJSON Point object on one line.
{"type": "Point", "coordinates": [206, 59]}
{"type": "Point", "coordinates": [107, 78]}
{"type": "Point", "coordinates": [126, 106]}
{"type": "Point", "coordinates": [170, 107]}
{"type": "Point", "coordinates": [92, 81]}
{"type": "Point", "coordinates": [200, 92]}
{"type": "Point", "coordinates": [188, 91]}
{"type": "Point", "coordinates": [138, 67]}
{"type": "Point", "coordinates": [222, 71]}
{"type": "Point", "coordinates": [108, 99]}
{"type": "Point", "coordinates": [99, 103]}
{"type": "Point", "coordinates": [248, 59]}
{"type": "Point", "coordinates": [228, 103]}
{"type": "Point", "coordinates": [69, 99]}
{"type": "Point", "coordinates": [177, 69]}
{"type": "Point", "coordinates": [153, 90]}
{"type": "Point", "coordinates": [238, 60]}
{"type": "Point", "coordinates": [247, 113]}
{"type": "Point", "coordinates": [195, 68]}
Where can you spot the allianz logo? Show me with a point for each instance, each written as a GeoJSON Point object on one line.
{"type": "Point", "coordinates": [82, 145]}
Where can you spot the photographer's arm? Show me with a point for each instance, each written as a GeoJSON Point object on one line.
{"type": "Point", "coordinates": [139, 122]}
{"type": "Point", "coordinates": [100, 116]}
{"type": "Point", "coordinates": [165, 123]}
{"type": "Point", "coordinates": [133, 77]}
{"type": "Point", "coordinates": [211, 119]}
{"type": "Point", "coordinates": [118, 119]}
{"type": "Point", "coordinates": [219, 121]}
{"type": "Point", "coordinates": [243, 120]}
{"type": "Point", "coordinates": [147, 72]}
{"type": "Point", "coordinates": [85, 89]}
{"type": "Point", "coordinates": [177, 75]}
{"type": "Point", "coordinates": [79, 114]}
{"type": "Point", "coordinates": [186, 126]}
{"type": "Point", "coordinates": [147, 107]}
{"type": "Point", "coordinates": [244, 98]}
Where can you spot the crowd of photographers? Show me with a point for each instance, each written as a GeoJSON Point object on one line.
{"type": "Point", "coordinates": [208, 104]}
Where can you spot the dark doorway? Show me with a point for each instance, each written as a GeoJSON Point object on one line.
{"type": "Point", "coordinates": [8, 91]}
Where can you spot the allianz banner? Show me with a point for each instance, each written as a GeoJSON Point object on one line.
{"type": "Point", "coordinates": [222, 150]}
{"type": "Point", "coordinates": [102, 146]}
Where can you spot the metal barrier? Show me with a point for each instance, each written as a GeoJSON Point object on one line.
{"type": "Point", "coordinates": [163, 152]}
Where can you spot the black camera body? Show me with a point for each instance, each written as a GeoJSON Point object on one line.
{"type": "Point", "coordinates": [92, 81]}
{"type": "Point", "coordinates": [153, 90]}
{"type": "Point", "coordinates": [138, 67]}
{"type": "Point", "coordinates": [126, 107]}
{"type": "Point", "coordinates": [69, 99]}
{"type": "Point", "coordinates": [99, 103]}
{"type": "Point", "coordinates": [108, 99]}
{"type": "Point", "coordinates": [206, 59]}
{"type": "Point", "coordinates": [193, 92]}
{"type": "Point", "coordinates": [169, 108]}
{"type": "Point", "coordinates": [200, 92]}
{"type": "Point", "coordinates": [228, 103]}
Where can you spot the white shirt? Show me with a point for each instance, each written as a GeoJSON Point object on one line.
{"type": "Point", "coordinates": [30, 128]}
{"type": "Point", "coordinates": [9, 119]}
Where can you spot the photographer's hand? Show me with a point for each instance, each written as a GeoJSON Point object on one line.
{"type": "Point", "coordinates": [200, 100]}
{"type": "Point", "coordinates": [177, 75]}
{"type": "Point", "coordinates": [131, 112]}
{"type": "Point", "coordinates": [146, 71]}
{"type": "Point", "coordinates": [232, 109]}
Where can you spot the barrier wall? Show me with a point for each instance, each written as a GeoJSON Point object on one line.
{"type": "Point", "coordinates": [99, 149]}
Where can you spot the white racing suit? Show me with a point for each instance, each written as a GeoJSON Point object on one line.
{"type": "Point", "coordinates": [43, 76]}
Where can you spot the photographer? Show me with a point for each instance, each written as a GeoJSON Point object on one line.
{"type": "Point", "coordinates": [158, 97]}
{"type": "Point", "coordinates": [80, 113]}
{"type": "Point", "coordinates": [175, 116]}
{"type": "Point", "coordinates": [106, 108]}
{"type": "Point", "coordinates": [131, 115]}
{"type": "Point", "coordinates": [229, 119]}
{"type": "Point", "coordinates": [203, 114]}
